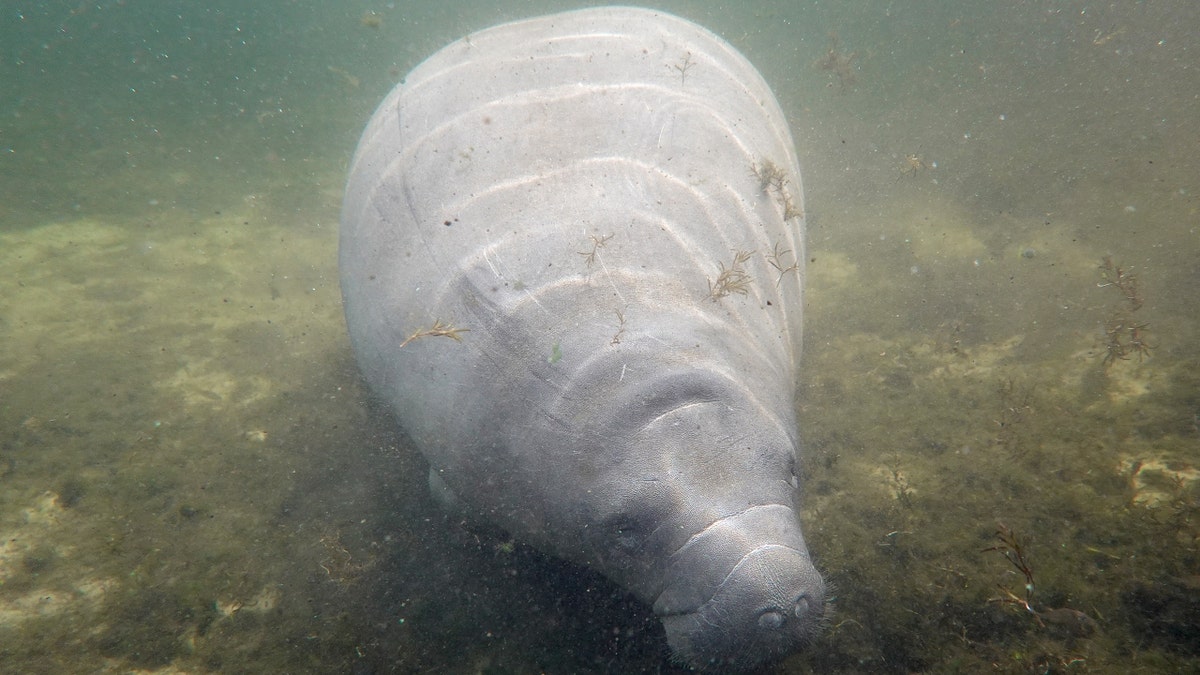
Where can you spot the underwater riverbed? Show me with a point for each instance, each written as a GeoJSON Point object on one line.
{"type": "Point", "coordinates": [999, 397]}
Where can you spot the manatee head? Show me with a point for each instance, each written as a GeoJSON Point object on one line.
{"type": "Point", "coordinates": [696, 512]}
{"type": "Point", "coordinates": [682, 488]}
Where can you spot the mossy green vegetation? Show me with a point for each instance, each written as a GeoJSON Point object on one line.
{"type": "Point", "coordinates": [926, 457]}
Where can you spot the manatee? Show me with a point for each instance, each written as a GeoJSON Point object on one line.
{"type": "Point", "coordinates": [571, 257]}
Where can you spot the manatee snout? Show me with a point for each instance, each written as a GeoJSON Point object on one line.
{"type": "Point", "coordinates": [744, 592]}
{"type": "Point", "coordinates": [772, 605]}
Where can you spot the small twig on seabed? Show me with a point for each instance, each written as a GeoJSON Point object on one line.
{"type": "Point", "coordinates": [1123, 280]}
{"type": "Point", "coordinates": [1123, 336]}
{"type": "Point", "coordinates": [1012, 547]}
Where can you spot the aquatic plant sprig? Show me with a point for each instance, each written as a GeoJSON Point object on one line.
{"type": "Point", "coordinates": [732, 279]}
{"type": "Point", "coordinates": [1123, 336]}
{"type": "Point", "coordinates": [438, 329]}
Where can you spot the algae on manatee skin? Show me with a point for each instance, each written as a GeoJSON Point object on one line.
{"type": "Point", "coordinates": [732, 279]}
{"type": "Point", "coordinates": [438, 329]}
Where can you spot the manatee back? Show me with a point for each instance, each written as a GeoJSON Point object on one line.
{"type": "Point", "coordinates": [564, 208]}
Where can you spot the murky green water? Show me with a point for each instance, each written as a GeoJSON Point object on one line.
{"type": "Point", "coordinates": [193, 480]}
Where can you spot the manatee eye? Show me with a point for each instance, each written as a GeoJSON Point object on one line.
{"type": "Point", "coordinates": [627, 530]}
{"type": "Point", "coordinates": [793, 471]}
{"type": "Point", "coordinates": [635, 520]}
{"type": "Point", "coordinates": [628, 533]}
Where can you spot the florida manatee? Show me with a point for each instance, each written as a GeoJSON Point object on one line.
{"type": "Point", "coordinates": [571, 256]}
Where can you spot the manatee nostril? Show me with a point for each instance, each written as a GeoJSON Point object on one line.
{"type": "Point", "coordinates": [770, 620]}
{"type": "Point", "coordinates": [800, 608]}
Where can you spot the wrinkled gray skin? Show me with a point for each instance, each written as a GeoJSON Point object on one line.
{"type": "Point", "coordinates": [567, 191]}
